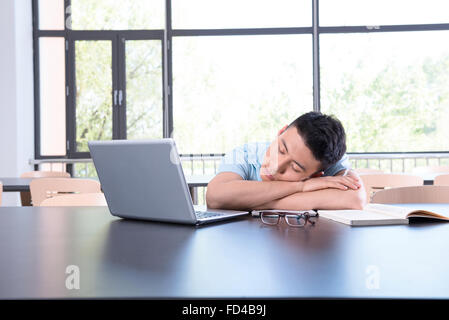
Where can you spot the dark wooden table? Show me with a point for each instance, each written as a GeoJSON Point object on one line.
{"type": "Point", "coordinates": [120, 258]}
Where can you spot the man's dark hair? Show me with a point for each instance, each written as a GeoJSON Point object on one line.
{"type": "Point", "coordinates": [324, 135]}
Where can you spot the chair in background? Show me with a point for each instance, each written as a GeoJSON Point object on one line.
{"type": "Point", "coordinates": [431, 169]}
{"type": "Point", "coordinates": [45, 188]}
{"type": "Point", "coordinates": [376, 182]}
{"type": "Point", "coordinates": [441, 180]}
{"type": "Point", "coordinates": [417, 194]}
{"type": "Point", "coordinates": [1, 191]}
{"type": "Point", "coordinates": [45, 174]}
{"type": "Point", "coordinates": [367, 171]}
{"type": "Point", "coordinates": [25, 196]}
{"type": "Point", "coordinates": [76, 200]}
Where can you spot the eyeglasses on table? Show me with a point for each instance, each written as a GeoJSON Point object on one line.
{"type": "Point", "coordinates": [297, 220]}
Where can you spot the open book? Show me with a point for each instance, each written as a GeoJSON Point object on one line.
{"type": "Point", "coordinates": [380, 214]}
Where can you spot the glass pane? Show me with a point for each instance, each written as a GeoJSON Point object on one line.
{"type": "Point", "coordinates": [62, 167]}
{"type": "Point", "coordinates": [382, 12]}
{"type": "Point", "coordinates": [391, 90]}
{"type": "Point", "coordinates": [51, 14]}
{"type": "Point", "coordinates": [118, 14]}
{"type": "Point", "coordinates": [52, 96]}
{"type": "Point", "coordinates": [197, 14]}
{"type": "Point", "coordinates": [84, 170]}
{"type": "Point", "coordinates": [233, 90]}
{"type": "Point", "coordinates": [295, 220]}
{"type": "Point", "coordinates": [269, 218]}
{"type": "Point", "coordinates": [144, 89]}
{"type": "Point", "coordinates": [93, 60]}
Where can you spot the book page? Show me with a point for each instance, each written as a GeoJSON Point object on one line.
{"type": "Point", "coordinates": [361, 217]}
{"type": "Point", "coordinates": [428, 214]}
{"type": "Point", "coordinates": [393, 211]}
{"type": "Point", "coordinates": [412, 210]}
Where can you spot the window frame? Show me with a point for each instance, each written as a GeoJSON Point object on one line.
{"type": "Point", "coordinates": [166, 36]}
{"type": "Point", "coordinates": [118, 39]}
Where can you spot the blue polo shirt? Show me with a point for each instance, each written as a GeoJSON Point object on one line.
{"type": "Point", "coordinates": [247, 159]}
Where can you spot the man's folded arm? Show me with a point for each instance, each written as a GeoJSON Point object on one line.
{"type": "Point", "coordinates": [321, 199]}
{"type": "Point", "coordinates": [228, 190]}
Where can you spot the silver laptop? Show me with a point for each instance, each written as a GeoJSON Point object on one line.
{"type": "Point", "coordinates": [143, 179]}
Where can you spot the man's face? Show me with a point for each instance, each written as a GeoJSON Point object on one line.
{"type": "Point", "coordinates": [288, 159]}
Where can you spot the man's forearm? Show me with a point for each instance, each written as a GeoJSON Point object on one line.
{"type": "Point", "coordinates": [243, 194]}
{"type": "Point", "coordinates": [321, 199]}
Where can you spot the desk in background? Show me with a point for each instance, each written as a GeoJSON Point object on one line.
{"type": "Point", "coordinates": [23, 184]}
{"type": "Point", "coordinates": [241, 258]}
{"type": "Point", "coordinates": [427, 177]}
{"type": "Point", "coordinates": [16, 184]}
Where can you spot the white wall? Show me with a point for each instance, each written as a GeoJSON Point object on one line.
{"type": "Point", "coordinates": [16, 91]}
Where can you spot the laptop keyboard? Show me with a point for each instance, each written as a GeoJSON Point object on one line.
{"type": "Point", "coordinates": [207, 214]}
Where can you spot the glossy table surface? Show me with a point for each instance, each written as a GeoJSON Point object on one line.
{"type": "Point", "coordinates": [238, 258]}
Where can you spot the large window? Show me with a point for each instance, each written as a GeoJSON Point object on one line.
{"type": "Point", "coordinates": [101, 73]}
{"type": "Point", "coordinates": [93, 83]}
{"type": "Point", "coordinates": [238, 89]}
{"type": "Point", "coordinates": [134, 109]}
{"type": "Point", "coordinates": [214, 74]}
{"type": "Point", "coordinates": [52, 96]}
{"type": "Point", "coordinates": [390, 90]}
{"type": "Point", "coordinates": [144, 102]}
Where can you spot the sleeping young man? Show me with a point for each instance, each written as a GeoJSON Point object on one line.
{"type": "Point", "coordinates": [304, 168]}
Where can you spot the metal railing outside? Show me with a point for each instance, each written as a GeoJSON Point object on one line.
{"type": "Point", "coordinates": [398, 162]}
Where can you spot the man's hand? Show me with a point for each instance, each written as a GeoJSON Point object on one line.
{"type": "Point", "coordinates": [335, 182]}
